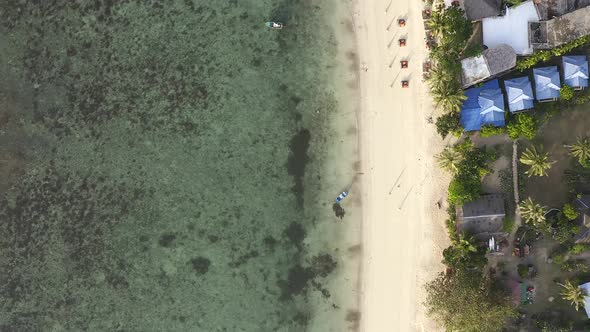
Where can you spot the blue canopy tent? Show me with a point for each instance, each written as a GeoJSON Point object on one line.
{"type": "Point", "coordinates": [484, 106]}
{"type": "Point", "coordinates": [519, 92]}
{"type": "Point", "coordinates": [575, 71]}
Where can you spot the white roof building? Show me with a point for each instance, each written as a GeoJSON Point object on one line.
{"type": "Point", "coordinates": [512, 28]}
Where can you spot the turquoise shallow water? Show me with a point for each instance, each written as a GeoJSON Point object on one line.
{"type": "Point", "coordinates": [155, 168]}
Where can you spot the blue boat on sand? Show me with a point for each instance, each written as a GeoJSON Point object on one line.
{"type": "Point", "coordinates": [341, 196]}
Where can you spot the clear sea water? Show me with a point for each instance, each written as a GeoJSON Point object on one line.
{"type": "Point", "coordinates": [164, 166]}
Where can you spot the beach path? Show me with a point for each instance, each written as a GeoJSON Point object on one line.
{"type": "Point", "coordinates": [398, 254]}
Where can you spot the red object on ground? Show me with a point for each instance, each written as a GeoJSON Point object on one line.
{"type": "Point", "coordinates": [402, 42]}
{"type": "Point", "coordinates": [401, 22]}
{"type": "Point", "coordinates": [404, 64]}
{"type": "Point", "coordinates": [405, 84]}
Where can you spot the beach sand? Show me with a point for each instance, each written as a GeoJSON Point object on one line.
{"type": "Point", "coordinates": [403, 230]}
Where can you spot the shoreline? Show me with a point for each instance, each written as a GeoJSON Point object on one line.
{"type": "Point", "coordinates": [402, 232]}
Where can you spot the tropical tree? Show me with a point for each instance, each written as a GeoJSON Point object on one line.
{"type": "Point", "coordinates": [538, 160]}
{"type": "Point", "coordinates": [574, 294]}
{"type": "Point", "coordinates": [448, 97]}
{"type": "Point", "coordinates": [467, 301]}
{"type": "Point", "coordinates": [581, 150]}
{"type": "Point", "coordinates": [532, 212]}
{"type": "Point", "coordinates": [449, 159]}
{"type": "Point", "coordinates": [463, 253]}
{"type": "Point", "coordinates": [438, 22]}
{"type": "Point", "coordinates": [449, 123]}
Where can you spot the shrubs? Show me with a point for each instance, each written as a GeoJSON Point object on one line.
{"type": "Point", "coordinates": [489, 130]}
{"type": "Point", "coordinates": [579, 248]}
{"type": "Point", "coordinates": [523, 125]}
{"type": "Point", "coordinates": [466, 184]}
{"type": "Point", "coordinates": [569, 212]}
{"type": "Point", "coordinates": [566, 92]}
{"type": "Point", "coordinates": [541, 56]}
{"type": "Point", "coordinates": [449, 123]}
{"type": "Point", "coordinates": [508, 224]}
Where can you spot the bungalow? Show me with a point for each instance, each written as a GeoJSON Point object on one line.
{"type": "Point", "coordinates": [512, 28]}
{"type": "Point", "coordinates": [575, 71]}
{"type": "Point", "coordinates": [560, 30]}
{"type": "Point", "coordinates": [482, 218]}
{"type": "Point", "coordinates": [549, 9]}
{"type": "Point", "coordinates": [582, 205]}
{"type": "Point", "coordinates": [519, 93]}
{"type": "Point", "coordinates": [476, 10]}
{"type": "Point", "coordinates": [491, 63]}
{"type": "Point", "coordinates": [484, 106]}
{"type": "Point", "coordinates": [586, 288]}
{"type": "Point", "coordinates": [547, 83]}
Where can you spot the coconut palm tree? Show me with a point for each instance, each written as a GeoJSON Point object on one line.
{"type": "Point", "coordinates": [574, 294]}
{"type": "Point", "coordinates": [448, 97]}
{"type": "Point", "coordinates": [532, 212]}
{"type": "Point", "coordinates": [449, 159]}
{"type": "Point", "coordinates": [538, 160]}
{"type": "Point", "coordinates": [437, 22]}
{"type": "Point", "coordinates": [581, 150]}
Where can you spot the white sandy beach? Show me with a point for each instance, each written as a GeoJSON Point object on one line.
{"type": "Point", "coordinates": [403, 231]}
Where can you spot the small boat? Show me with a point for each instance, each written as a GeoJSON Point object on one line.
{"type": "Point", "coordinates": [341, 196]}
{"type": "Point", "coordinates": [274, 25]}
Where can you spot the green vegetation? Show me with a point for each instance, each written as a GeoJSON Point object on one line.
{"type": "Point", "coordinates": [569, 212]}
{"type": "Point", "coordinates": [508, 224]}
{"type": "Point", "coordinates": [566, 92]}
{"type": "Point", "coordinates": [538, 160]}
{"type": "Point", "coordinates": [532, 213]}
{"type": "Point", "coordinates": [468, 301]}
{"type": "Point", "coordinates": [473, 50]}
{"type": "Point", "coordinates": [474, 165]}
{"type": "Point", "coordinates": [451, 30]}
{"type": "Point", "coordinates": [489, 130]}
{"type": "Point", "coordinates": [522, 125]}
{"type": "Point", "coordinates": [523, 270]}
{"type": "Point", "coordinates": [563, 229]}
{"type": "Point", "coordinates": [513, 3]}
{"type": "Point", "coordinates": [449, 159]}
{"type": "Point", "coordinates": [449, 123]}
{"type": "Point", "coordinates": [541, 56]}
{"type": "Point", "coordinates": [464, 253]}
{"type": "Point", "coordinates": [579, 248]}
{"type": "Point", "coordinates": [573, 293]}
{"type": "Point", "coordinates": [581, 151]}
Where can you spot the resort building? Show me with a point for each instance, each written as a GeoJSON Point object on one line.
{"type": "Point", "coordinates": [482, 218]}
{"type": "Point", "coordinates": [586, 288]}
{"type": "Point", "coordinates": [582, 205]}
{"type": "Point", "coordinates": [519, 93]}
{"type": "Point", "coordinates": [491, 63]}
{"type": "Point", "coordinates": [547, 83]}
{"type": "Point", "coordinates": [560, 30]}
{"type": "Point", "coordinates": [575, 71]}
{"type": "Point", "coordinates": [512, 28]}
{"type": "Point", "coordinates": [549, 9]}
{"type": "Point", "coordinates": [484, 106]}
{"type": "Point", "coordinates": [475, 10]}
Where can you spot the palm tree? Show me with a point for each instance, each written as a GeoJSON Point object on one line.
{"type": "Point", "coordinates": [574, 294]}
{"type": "Point", "coordinates": [464, 244]}
{"type": "Point", "coordinates": [532, 212]}
{"type": "Point", "coordinates": [537, 160]}
{"type": "Point", "coordinates": [581, 150]}
{"type": "Point", "coordinates": [437, 23]}
{"type": "Point", "coordinates": [448, 97]}
{"type": "Point", "coordinates": [449, 159]}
